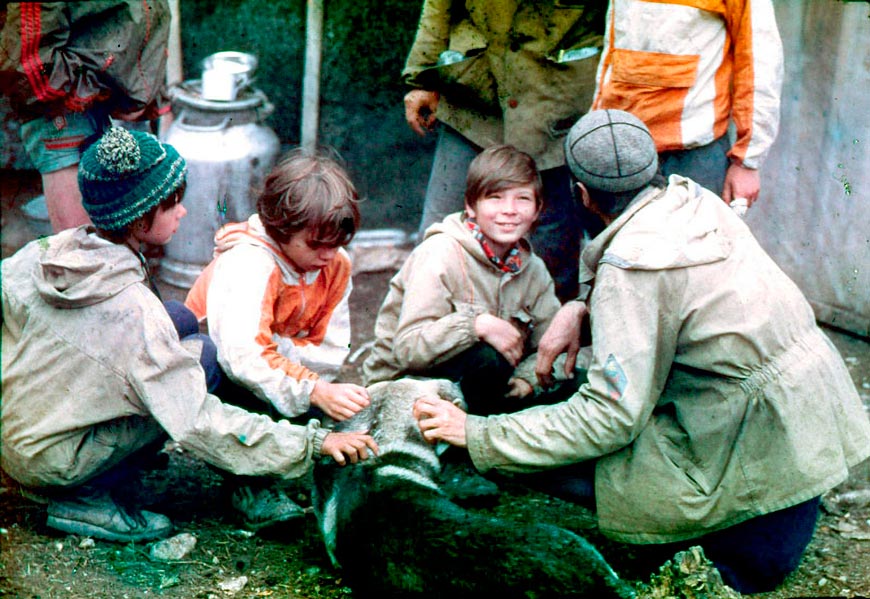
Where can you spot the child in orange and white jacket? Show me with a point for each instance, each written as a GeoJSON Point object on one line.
{"type": "Point", "coordinates": [276, 294]}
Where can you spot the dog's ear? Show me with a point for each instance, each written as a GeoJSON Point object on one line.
{"type": "Point", "coordinates": [451, 392]}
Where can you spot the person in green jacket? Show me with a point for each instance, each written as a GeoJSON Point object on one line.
{"type": "Point", "coordinates": [716, 411]}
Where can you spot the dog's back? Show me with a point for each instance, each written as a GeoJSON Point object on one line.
{"type": "Point", "coordinates": [394, 534]}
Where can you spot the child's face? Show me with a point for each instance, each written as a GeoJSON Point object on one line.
{"type": "Point", "coordinates": [306, 255]}
{"type": "Point", "coordinates": [505, 216]}
{"type": "Point", "coordinates": [164, 226]}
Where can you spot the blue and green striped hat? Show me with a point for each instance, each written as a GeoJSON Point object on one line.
{"type": "Point", "coordinates": [125, 174]}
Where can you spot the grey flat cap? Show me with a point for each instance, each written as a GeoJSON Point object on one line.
{"type": "Point", "coordinates": [611, 150]}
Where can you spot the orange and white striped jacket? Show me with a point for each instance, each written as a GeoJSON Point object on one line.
{"type": "Point", "coordinates": [276, 331]}
{"type": "Point", "coordinates": [688, 67]}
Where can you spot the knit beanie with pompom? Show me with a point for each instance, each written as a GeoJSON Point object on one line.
{"type": "Point", "coordinates": [125, 174]}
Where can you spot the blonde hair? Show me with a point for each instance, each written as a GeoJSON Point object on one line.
{"type": "Point", "coordinates": [310, 190]}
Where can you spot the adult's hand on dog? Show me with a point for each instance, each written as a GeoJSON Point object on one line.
{"type": "Point", "coordinates": [563, 335]}
{"type": "Point", "coordinates": [340, 401]}
{"type": "Point", "coordinates": [348, 446]}
{"type": "Point", "coordinates": [440, 420]}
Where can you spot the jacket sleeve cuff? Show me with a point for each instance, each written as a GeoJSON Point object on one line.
{"type": "Point", "coordinates": [319, 436]}
{"type": "Point", "coordinates": [468, 314]}
{"type": "Point", "coordinates": [475, 431]}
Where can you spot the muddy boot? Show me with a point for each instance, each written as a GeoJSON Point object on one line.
{"type": "Point", "coordinates": [260, 505]}
{"type": "Point", "coordinates": [462, 483]}
{"type": "Point", "coordinates": [92, 512]}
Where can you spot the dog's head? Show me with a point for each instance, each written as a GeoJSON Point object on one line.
{"type": "Point", "coordinates": [390, 417]}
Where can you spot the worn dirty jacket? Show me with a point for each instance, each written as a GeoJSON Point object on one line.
{"type": "Point", "coordinates": [517, 85]}
{"type": "Point", "coordinates": [277, 331]}
{"type": "Point", "coordinates": [59, 57]}
{"type": "Point", "coordinates": [86, 342]}
{"type": "Point", "coordinates": [428, 314]}
{"type": "Point", "coordinates": [713, 397]}
{"type": "Point", "coordinates": [687, 68]}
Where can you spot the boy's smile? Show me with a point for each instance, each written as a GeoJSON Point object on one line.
{"type": "Point", "coordinates": [505, 216]}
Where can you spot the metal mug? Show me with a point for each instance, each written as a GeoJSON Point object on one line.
{"type": "Point", "coordinates": [225, 74]}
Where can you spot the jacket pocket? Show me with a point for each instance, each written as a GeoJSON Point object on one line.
{"type": "Point", "coordinates": [654, 69]}
{"type": "Point", "coordinates": [653, 87]}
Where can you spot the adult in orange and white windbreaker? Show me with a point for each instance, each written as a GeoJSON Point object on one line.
{"type": "Point", "coordinates": [278, 331]}
{"type": "Point", "coordinates": [689, 67]}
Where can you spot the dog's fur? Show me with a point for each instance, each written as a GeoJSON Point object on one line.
{"type": "Point", "coordinates": [395, 534]}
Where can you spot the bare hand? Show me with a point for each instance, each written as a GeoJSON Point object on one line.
{"type": "Point", "coordinates": [348, 446]}
{"type": "Point", "coordinates": [519, 388]}
{"type": "Point", "coordinates": [741, 182]}
{"type": "Point", "coordinates": [340, 401]}
{"type": "Point", "coordinates": [563, 335]}
{"type": "Point", "coordinates": [420, 107]}
{"type": "Point", "coordinates": [440, 420]}
{"type": "Point", "coordinates": [502, 335]}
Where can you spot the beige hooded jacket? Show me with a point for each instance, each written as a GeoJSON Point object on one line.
{"type": "Point", "coordinates": [713, 396]}
{"type": "Point", "coordinates": [447, 281]}
{"type": "Point", "coordinates": [86, 345]}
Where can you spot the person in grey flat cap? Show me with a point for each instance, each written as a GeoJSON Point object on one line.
{"type": "Point", "coordinates": [715, 411]}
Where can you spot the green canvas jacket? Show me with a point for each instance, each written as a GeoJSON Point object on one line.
{"type": "Point", "coordinates": [517, 85]}
{"type": "Point", "coordinates": [713, 396]}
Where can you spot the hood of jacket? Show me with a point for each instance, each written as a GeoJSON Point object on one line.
{"type": "Point", "coordinates": [77, 268]}
{"type": "Point", "coordinates": [675, 227]}
{"type": "Point", "coordinates": [454, 226]}
{"type": "Point", "coordinates": [252, 232]}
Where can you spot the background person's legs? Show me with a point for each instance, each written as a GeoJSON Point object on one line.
{"type": "Point", "coordinates": [445, 192]}
{"type": "Point", "coordinates": [55, 145]}
{"type": "Point", "coordinates": [559, 234]}
{"type": "Point", "coordinates": [63, 200]}
{"type": "Point", "coordinates": [705, 165]}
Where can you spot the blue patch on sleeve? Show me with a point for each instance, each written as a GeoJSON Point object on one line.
{"type": "Point", "coordinates": [615, 377]}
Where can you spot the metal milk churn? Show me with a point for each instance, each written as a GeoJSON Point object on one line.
{"type": "Point", "coordinates": [229, 152]}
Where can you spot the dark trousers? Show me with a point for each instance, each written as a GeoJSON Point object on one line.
{"type": "Point", "coordinates": [705, 165]}
{"type": "Point", "coordinates": [754, 556]}
{"type": "Point", "coordinates": [483, 374]}
{"type": "Point", "coordinates": [187, 327]}
{"type": "Point", "coordinates": [558, 236]}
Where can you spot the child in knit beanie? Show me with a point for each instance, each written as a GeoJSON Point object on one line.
{"type": "Point", "coordinates": [96, 376]}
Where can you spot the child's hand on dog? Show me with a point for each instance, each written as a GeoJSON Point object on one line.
{"type": "Point", "coordinates": [348, 446]}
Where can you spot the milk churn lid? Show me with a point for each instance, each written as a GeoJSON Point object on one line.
{"type": "Point", "coordinates": [188, 94]}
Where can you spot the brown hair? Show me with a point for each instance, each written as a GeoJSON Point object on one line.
{"type": "Point", "coordinates": [501, 167]}
{"type": "Point", "coordinates": [310, 191]}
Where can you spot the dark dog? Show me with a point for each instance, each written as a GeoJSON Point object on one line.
{"type": "Point", "coordinates": [395, 534]}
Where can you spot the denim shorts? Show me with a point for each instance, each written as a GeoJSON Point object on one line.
{"type": "Point", "coordinates": [57, 142]}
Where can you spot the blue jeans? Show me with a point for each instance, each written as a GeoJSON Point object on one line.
{"type": "Point", "coordinates": [187, 327]}
{"type": "Point", "coordinates": [753, 556]}
{"type": "Point", "coordinates": [561, 226]}
{"type": "Point", "coordinates": [705, 165]}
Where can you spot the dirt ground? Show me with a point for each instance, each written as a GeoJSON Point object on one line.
{"type": "Point", "coordinates": [290, 562]}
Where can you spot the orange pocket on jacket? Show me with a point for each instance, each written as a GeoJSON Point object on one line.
{"type": "Point", "coordinates": [653, 87]}
{"type": "Point", "coordinates": [654, 68]}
